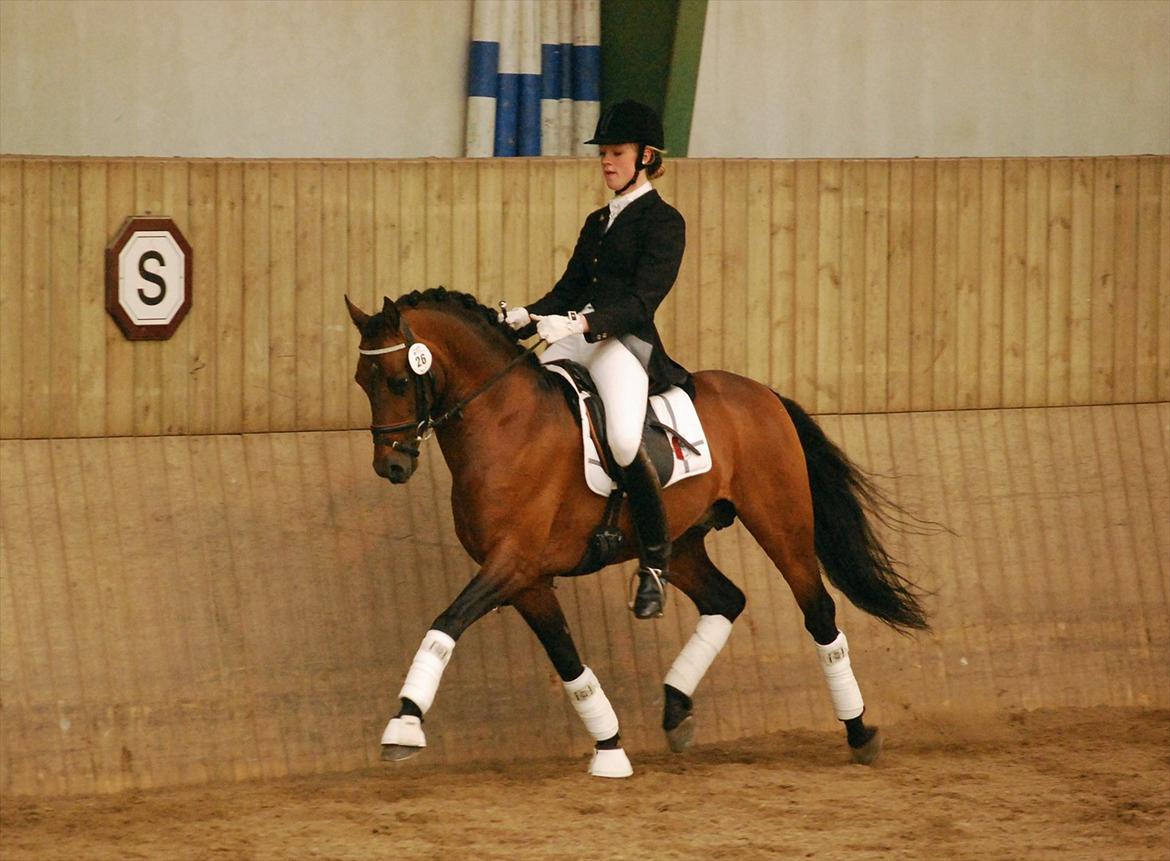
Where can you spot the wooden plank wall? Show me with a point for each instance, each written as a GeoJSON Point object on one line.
{"type": "Point", "coordinates": [192, 608]}
{"type": "Point", "coordinates": [854, 286]}
{"type": "Point", "coordinates": [200, 577]}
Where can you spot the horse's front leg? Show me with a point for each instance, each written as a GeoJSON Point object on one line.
{"type": "Point", "coordinates": [542, 611]}
{"type": "Point", "coordinates": [404, 736]}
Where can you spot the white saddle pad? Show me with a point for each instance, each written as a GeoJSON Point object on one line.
{"type": "Point", "coordinates": [673, 408]}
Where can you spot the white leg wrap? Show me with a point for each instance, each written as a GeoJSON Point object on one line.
{"type": "Point", "coordinates": [427, 668]}
{"type": "Point", "coordinates": [592, 705]}
{"type": "Point", "coordinates": [699, 653]}
{"type": "Point", "coordinates": [839, 677]}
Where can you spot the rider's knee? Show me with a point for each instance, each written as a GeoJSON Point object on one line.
{"type": "Point", "coordinates": [625, 444]}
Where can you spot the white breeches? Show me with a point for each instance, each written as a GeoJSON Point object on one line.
{"type": "Point", "coordinates": [622, 383]}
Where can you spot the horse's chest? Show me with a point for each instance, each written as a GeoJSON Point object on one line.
{"type": "Point", "coordinates": [469, 530]}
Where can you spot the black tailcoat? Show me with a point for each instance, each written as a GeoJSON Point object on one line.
{"type": "Point", "coordinates": [625, 273]}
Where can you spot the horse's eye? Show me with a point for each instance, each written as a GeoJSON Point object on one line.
{"type": "Point", "coordinates": [397, 385]}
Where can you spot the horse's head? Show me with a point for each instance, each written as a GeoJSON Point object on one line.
{"type": "Point", "coordinates": [393, 371]}
{"type": "Point", "coordinates": [475, 354]}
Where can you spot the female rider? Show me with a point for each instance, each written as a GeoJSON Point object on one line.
{"type": "Point", "coordinates": [601, 315]}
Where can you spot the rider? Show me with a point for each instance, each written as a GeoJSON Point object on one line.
{"type": "Point", "coordinates": [601, 314]}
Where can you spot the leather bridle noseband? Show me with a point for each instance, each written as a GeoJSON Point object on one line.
{"type": "Point", "coordinates": [424, 423]}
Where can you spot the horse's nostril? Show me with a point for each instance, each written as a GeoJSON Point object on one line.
{"type": "Point", "coordinates": [395, 472]}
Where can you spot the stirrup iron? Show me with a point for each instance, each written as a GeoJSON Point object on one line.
{"type": "Point", "coordinates": [659, 579]}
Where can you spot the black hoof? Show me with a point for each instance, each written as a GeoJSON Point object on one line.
{"type": "Point", "coordinates": [682, 736]}
{"type": "Point", "coordinates": [866, 752]}
{"type": "Point", "coordinates": [677, 722]}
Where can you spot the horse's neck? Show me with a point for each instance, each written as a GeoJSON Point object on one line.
{"type": "Point", "coordinates": [497, 423]}
{"type": "Point", "coordinates": [490, 449]}
{"type": "Point", "coordinates": [469, 363]}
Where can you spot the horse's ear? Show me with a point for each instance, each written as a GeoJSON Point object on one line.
{"type": "Point", "coordinates": [390, 312]}
{"type": "Point", "coordinates": [356, 314]}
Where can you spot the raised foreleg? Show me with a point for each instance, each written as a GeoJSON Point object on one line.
{"type": "Point", "coordinates": [492, 586]}
{"type": "Point", "coordinates": [542, 611]}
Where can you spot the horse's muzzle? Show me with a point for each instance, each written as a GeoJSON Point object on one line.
{"type": "Point", "coordinates": [393, 469]}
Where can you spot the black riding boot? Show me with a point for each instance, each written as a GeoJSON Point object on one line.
{"type": "Point", "coordinates": [640, 479]}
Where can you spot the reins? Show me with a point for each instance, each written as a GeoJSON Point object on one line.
{"type": "Point", "coordinates": [455, 411]}
{"type": "Point", "coordinates": [425, 424]}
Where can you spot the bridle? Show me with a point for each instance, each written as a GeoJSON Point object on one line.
{"type": "Point", "coordinates": [425, 424]}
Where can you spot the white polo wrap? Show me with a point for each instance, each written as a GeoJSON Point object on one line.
{"type": "Point", "coordinates": [699, 653]}
{"type": "Point", "coordinates": [839, 677]}
{"type": "Point", "coordinates": [592, 705]}
{"type": "Point", "coordinates": [427, 668]}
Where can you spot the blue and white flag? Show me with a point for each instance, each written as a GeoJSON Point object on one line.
{"type": "Point", "coordinates": [535, 77]}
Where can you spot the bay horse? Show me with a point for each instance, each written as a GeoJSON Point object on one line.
{"type": "Point", "coordinates": [438, 361]}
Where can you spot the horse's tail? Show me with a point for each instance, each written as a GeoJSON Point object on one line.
{"type": "Point", "coordinates": [844, 500]}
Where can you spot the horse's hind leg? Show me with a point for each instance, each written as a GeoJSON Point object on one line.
{"type": "Point", "coordinates": [719, 602]}
{"type": "Point", "coordinates": [786, 534]}
{"type": "Point", "coordinates": [539, 607]}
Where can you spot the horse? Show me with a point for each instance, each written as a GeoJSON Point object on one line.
{"type": "Point", "coordinates": [439, 362]}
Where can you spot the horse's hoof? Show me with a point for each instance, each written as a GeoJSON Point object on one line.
{"type": "Point", "coordinates": [610, 763]}
{"type": "Point", "coordinates": [869, 751]}
{"type": "Point", "coordinates": [399, 752]}
{"type": "Point", "coordinates": [682, 736]}
{"type": "Point", "coordinates": [403, 739]}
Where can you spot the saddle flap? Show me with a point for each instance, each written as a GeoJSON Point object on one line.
{"type": "Point", "coordinates": [673, 433]}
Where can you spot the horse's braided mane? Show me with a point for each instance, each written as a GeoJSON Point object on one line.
{"type": "Point", "coordinates": [462, 305]}
{"type": "Point", "coordinates": [456, 301]}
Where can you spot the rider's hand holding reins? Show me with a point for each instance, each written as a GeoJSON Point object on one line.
{"type": "Point", "coordinates": [553, 327]}
{"type": "Point", "coordinates": [517, 318]}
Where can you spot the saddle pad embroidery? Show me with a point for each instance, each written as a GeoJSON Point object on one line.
{"type": "Point", "coordinates": [674, 408]}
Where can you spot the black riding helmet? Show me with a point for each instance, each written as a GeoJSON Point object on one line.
{"type": "Point", "coordinates": [632, 122]}
{"type": "Point", "coordinates": [629, 122]}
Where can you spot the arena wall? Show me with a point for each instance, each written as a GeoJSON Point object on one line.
{"type": "Point", "coordinates": [202, 579]}
{"type": "Point", "coordinates": [854, 286]}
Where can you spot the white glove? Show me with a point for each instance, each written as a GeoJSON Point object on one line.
{"type": "Point", "coordinates": [554, 327]}
{"type": "Point", "coordinates": [517, 318]}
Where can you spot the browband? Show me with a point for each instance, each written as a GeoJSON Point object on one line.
{"type": "Point", "coordinates": [382, 350]}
